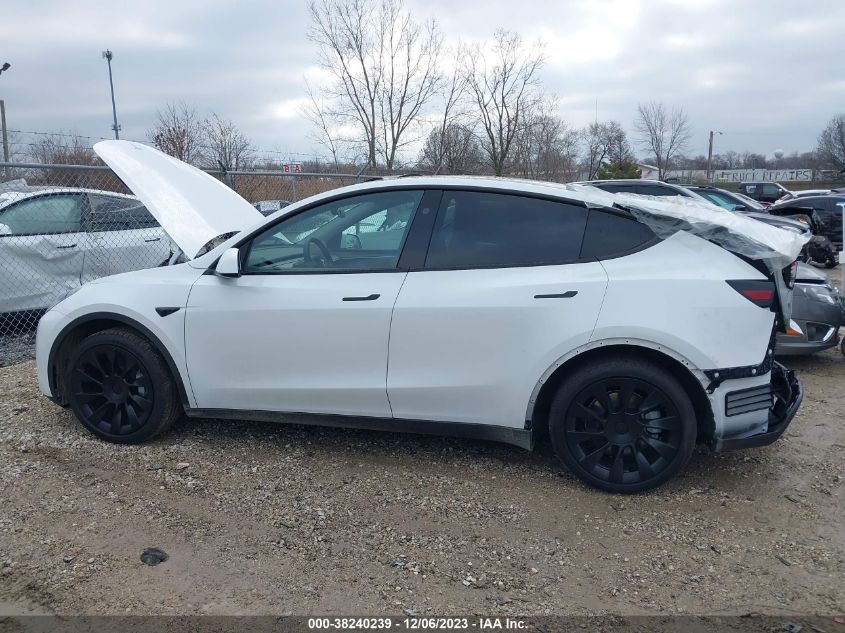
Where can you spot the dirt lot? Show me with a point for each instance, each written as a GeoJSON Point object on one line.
{"type": "Point", "coordinates": [260, 518]}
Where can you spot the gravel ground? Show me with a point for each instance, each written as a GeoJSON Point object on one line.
{"type": "Point", "coordinates": [15, 348]}
{"type": "Point", "coordinates": [268, 519]}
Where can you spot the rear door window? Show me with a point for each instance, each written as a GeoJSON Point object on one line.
{"type": "Point", "coordinates": [113, 213]}
{"type": "Point", "coordinates": [494, 230]}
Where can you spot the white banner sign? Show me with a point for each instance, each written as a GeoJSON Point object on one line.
{"type": "Point", "coordinates": [763, 175]}
{"type": "Point", "coordinates": [743, 175]}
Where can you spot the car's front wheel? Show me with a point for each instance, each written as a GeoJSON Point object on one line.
{"type": "Point", "coordinates": [623, 425]}
{"type": "Point", "coordinates": [120, 387]}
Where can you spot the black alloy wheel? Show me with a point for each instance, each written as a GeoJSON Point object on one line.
{"type": "Point", "coordinates": [113, 390]}
{"type": "Point", "coordinates": [623, 430]}
{"type": "Point", "coordinates": [623, 425]}
{"type": "Point", "coordinates": [120, 388]}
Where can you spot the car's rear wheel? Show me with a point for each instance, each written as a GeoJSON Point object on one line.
{"type": "Point", "coordinates": [623, 425]}
{"type": "Point", "coordinates": [119, 387]}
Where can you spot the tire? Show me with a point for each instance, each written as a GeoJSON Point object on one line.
{"type": "Point", "coordinates": [120, 388]}
{"type": "Point", "coordinates": [607, 445]}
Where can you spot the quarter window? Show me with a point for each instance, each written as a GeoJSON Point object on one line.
{"type": "Point", "coordinates": [44, 215]}
{"type": "Point", "coordinates": [364, 232]}
{"type": "Point", "coordinates": [611, 235]}
{"type": "Point", "coordinates": [475, 229]}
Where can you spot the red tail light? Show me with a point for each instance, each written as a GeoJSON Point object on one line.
{"type": "Point", "coordinates": [758, 295]}
{"type": "Point", "coordinates": [761, 293]}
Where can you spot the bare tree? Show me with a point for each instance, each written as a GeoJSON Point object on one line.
{"type": "Point", "coordinates": [752, 160]}
{"type": "Point", "coordinates": [384, 68]}
{"type": "Point", "coordinates": [453, 150]}
{"type": "Point", "coordinates": [728, 160]}
{"type": "Point", "coordinates": [596, 139]}
{"type": "Point", "coordinates": [503, 85]}
{"type": "Point", "coordinates": [545, 147]}
{"type": "Point", "coordinates": [63, 149]}
{"type": "Point", "coordinates": [351, 50]}
{"type": "Point", "coordinates": [177, 131]}
{"type": "Point", "coordinates": [225, 146]}
{"type": "Point", "coordinates": [663, 133]}
{"type": "Point", "coordinates": [447, 129]}
{"type": "Point", "coordinates": [68, 149]}
{"type": "Point", "coordinates": [620, 160]}
{"type": "Point", "coordinates": [410, 74]}
{"type": "Point", "coordinates": [619, 150]}
{"type": "Point", "coordinates": [830, 149]}
{"type": "Point", "coordinates": [326, 133]}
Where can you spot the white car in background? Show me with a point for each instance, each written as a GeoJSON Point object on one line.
{"type": "Point", "coordinates": [54, 239]}
{"type": "Point", "coordinates": [491, 308]}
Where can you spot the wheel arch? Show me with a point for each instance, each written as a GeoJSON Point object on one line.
{"type": "Point", "coordinates": [537, 414]}
{"type": "Point", "coordinates": [94, 322]}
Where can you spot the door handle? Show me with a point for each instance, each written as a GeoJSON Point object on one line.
{"type": "Point", "coordinates": [562, 295]}
{"type": "Point", "coordinates": [153, 239]}
{"type": "Point", "coordinates": [372, 297]}
{"type": "Point", "coordinates": [67, 246]}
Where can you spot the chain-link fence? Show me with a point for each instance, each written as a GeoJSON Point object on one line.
{"type": "Point", "coordinates": [62, 226]}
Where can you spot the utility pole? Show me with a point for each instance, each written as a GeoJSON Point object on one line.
{"type": "Point", "coordinates": [4, 68]}
{"type": "Point", "coordinates": [5, 135]}
{"type": "Point", "coordinates": [710, 157]}
{"type": "Point", "coordinates": [107, 55]}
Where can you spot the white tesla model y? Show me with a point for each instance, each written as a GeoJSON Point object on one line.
{"type": "Point", "coordinates": [628, 329]}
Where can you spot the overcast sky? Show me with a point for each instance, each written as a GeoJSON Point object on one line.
{"type": "Point", "coordinates": [767, 73]}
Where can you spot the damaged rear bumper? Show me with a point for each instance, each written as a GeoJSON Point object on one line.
{"type": "Point", "coordinates": [787, 395]}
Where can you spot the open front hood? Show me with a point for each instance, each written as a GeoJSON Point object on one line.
{"type": "Point", "coordinates": [192, 206]}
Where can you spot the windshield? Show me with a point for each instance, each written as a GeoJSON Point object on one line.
{"type": "Point", "coordinates": [751, 203]}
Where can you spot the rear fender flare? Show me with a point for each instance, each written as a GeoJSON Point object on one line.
{"type": "Point", "coordinates": [626, 342]}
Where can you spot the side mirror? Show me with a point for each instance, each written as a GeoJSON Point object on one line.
{"type": "Point", "coordinates": [740, 207]}
{"type": "Point", "coordinates": [5, 230]}
{"type": "Point", "coordinates": [229, 264]}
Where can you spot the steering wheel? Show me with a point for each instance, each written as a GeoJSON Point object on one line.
{"type": "Point", "coordinates": [326, 256]}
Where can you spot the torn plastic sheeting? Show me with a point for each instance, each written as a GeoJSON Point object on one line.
{"type": "Point", "coordinates": [776, 247]}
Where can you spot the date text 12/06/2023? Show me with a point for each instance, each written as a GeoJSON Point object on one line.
{"type": "Point", "coordinates": [418, 624]}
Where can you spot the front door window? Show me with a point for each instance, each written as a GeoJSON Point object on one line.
{"type": "Point", "coordinates": [364, 233]}
{"type": "Point", "coordinates": [44, 215]}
